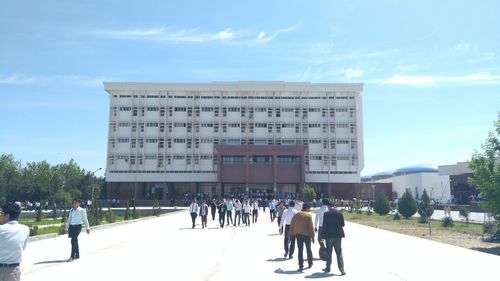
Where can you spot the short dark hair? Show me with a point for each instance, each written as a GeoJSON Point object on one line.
{"type": "Point", "coordinates": [291, 203]}
{"type": "Point", "coordinates": [305, 207]}
{"type": "Point", "coordinates": [77, 200]}
{"type": "Point", "coordinates": [13, 210]}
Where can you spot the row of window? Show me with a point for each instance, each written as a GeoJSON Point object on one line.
{"type": "Point", "coordinates": [271, 127]}
{"type": "Point", "coordinates": [250, 111]}
{"type": "Point", "coordinates": [330, 96]}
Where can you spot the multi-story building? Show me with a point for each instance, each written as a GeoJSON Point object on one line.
{"type": "Point", "coordinates": [169, 139]}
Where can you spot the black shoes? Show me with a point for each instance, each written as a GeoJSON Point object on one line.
{"type": "Point", "coordinates": [310, 265]}
{"type": "Point", "coordinates": [326, 270]}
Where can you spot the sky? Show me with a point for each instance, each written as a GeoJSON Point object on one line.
{"type": "Point", "coordinates": [431, 69]}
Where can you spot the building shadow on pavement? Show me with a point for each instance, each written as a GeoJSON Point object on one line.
{"type": "Point", "coordinates": [493, 251]}
{"type": "Point", "coordinates": [320, 275]}
{"type": "Point", "coordinates": [49, 262]}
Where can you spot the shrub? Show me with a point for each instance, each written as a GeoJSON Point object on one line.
{"type": "Point", "coordinates": [110, 217]}
{"type": "Point", "coordinates": [425, 209]}
{"type": "Point", "coordinates": [369, 212]}
{"type": "Point", "coordinates": [393, 206]}
{"type": "Point", "coordinates": [464, 212]}
{"type": "Point", "coordinates": [308, 193]}
{"type": "Point", "coordinates": [127, 212]}
{"type": "Point", "coordinates": [62, 229]}
{"type": "Point", "coordinates": [447, 222]}
{"type": "Point", "coordinates": [381, 204]}
{"type": "Point", "coordinates": [407, 206]}
{"type": "Point", "coordinates": [396, 216]}
{"type": "Point", "coordinates": [156, 208]}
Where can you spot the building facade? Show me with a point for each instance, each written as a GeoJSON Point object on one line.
{"type": "Point", "coordinates": [169, 139]}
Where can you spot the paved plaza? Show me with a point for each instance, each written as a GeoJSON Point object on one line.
{"type": "Point", "coordinates": [166, 248]}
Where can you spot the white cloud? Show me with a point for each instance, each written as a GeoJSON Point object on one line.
{"type": "Point", "coordinates": [465, 46]}
{"type": "Point", "coordinates": [429, 80]}
{"type": "Point", "coordinates": [193, 35]}
{"type": "Point", "coordinates": [16, 79]}
{"type": "Point", "coordinates": [353, 73]}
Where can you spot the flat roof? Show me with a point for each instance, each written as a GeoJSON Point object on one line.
{"type": "Point", "coordinates": [234, 86]}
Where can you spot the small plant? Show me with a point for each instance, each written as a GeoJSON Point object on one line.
{"type": "Point", "coordinates": [135, 213]}
{"type": "Point", "coordinates": [127, 212]}
{"type": "Point", "coordinates": [156, 208]}
{"type": "Point", "coordinates": [34, 230]}
{"type": "Point", "coordinates": [425, 209]}
{"type": "Point", "coordinates": [39, 214]}
{"type": "Point", "coordinates": [447, 222]}
{"type": "Point", "coordinates": [396, 216]}
{"type": "Point", "coordinates": [110, 217]}
{"type": "Point", "coordinates": [464, 212]}
{"type": "Point", "coordinates": [63, 218]}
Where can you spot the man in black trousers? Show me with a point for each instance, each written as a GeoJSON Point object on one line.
{"type": "Point", "coordinates": [333, 232]}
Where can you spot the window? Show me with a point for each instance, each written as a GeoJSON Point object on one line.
{"type": "Point", "coordinates": [125, 108]}
{"type": "Point", "coordinates": [179, 140]}
{"type": "Point", "coordinates": [288, 160]}
{"type": "Point", "coordinates": [233, 109]}
{"type": "Point", "coordinates": [207, 109]}
{"type": "Point", "coordinates": [152, 108]}
{"type": "Point", "coordinates": [180, 109]}
{"type": "Point", "coordinates": [233, 160]}
{"type": "Point", "coordinates": [261, 160]}
{"type": "Point", "coordinates": [123, 140]}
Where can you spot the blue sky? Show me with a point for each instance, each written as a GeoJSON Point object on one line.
{"type": "Point", "coordinates": [431, 68]}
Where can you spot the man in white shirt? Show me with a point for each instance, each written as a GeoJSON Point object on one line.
{"type": "Point", "coordinates": [289, 241]}
{"type": "Point", "coordinates": [13, 239]}
{"type": "Point", "coordinates": [203, 214]}
{"type": "Point", "coordinates": [255, 210]}
{"type": "Point", "coordinates": [318, 221]}
{"type": "Point", "coordinates": [193, 210]}
{"type": "Point", "coordinates": [246, 213]}
{"type": "Point", "coordinates": [77, 216]}
{"type": "Point", "coordinates": [237, 212]}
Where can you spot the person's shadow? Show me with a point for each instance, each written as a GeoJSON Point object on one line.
{"type": "Point", "coordinates": [320, 275]}
{"type": "Point", "coordinates": [49, 262]}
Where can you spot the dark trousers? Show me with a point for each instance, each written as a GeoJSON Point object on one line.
{"type": "Point", "coordinates": [73, 232]}
{"type": "Point", "coordinates": [279, 221]}
{"type": "Point", "coordinates": [237, 214]}
{"type": "Point", "coordinates": [334, 243]}
{"type": "Point", "coordinates": [222, 218]}
{"type": "Point", "coordinates": [289, 242]}
{"type": "Point", "coordinates": [213, 213]}
{"type": "Point", "coordinates": [272, 214]}
{"type": "Point", "coordinates": [255, 215]}
{"type": "Point", "coordinates": [193, 218]}
{"type": "Point", "coordinates": [203, 221]}
{"type": "Point", "coordinates": [229, 217]}
{"type": "Point", "coordinates": [301, 240]}
{"type": "Point", "coordinates": [246, 218]}
{"type": "Point", "coordinates": [319, 233]}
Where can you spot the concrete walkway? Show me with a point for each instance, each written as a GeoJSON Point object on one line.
{"type": "Point", "coordinates": [166, 248]}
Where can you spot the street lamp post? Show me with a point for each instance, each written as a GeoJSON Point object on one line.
{"type": "Point", "coordinates": [93, 183]}
{"type": "Point", "coordinates": [373, 194]}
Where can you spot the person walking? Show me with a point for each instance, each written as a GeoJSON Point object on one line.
{"type": "Point", "coordinates": [301, 227]}
{"type": "Point", "coordinates": [193, 210]}
{"type": "Point", "coordinates": [333, 232]}
{"type": "Point", "coordinates": [13, 240]}
{"type": "Point", "coordinates": [255, 210]}
{"type": "Point", "coordinates": [237, 212]}
{"type": "Point", "coordinates": [222, 212]}
{"type": "Point", "coordinates": [76, 217]}
{"type": "Point", "coordinates": [229, 211]}
{"type": "Point", "coordinates": [318, 220]}
{"type": "Point", "coordinates": [289, 240]}
{"type": "Point", "coordinates": [213, 208]}
{"type": "Point", "coordinates": [247, 209]}
{"type": "Point", "coordinates": [272, 210]}
{"type": "Point", "coordinates": [279, 211]}
{"type": "Point", "coordinates": [203, 214]}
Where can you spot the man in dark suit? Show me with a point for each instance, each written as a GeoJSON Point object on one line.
{"type": "Point", "coordinates": [333, 232]}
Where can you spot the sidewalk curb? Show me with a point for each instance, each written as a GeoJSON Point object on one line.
{"type": "Point", "coordinates": [103, 226]}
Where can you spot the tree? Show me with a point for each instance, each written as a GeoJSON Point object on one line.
{"type": "Point", "coordinates": [127, 212]}
{"type": "Point", "coordinates": [407, 206]}
{"type": "Point", "coordinates": [485, 167]}
{"type": "Point", "coordinates": [111, 217]}
{"type": "Point", "coordinates": [39, 213]}
{"type": "Point", "coordinates": [381, 204]}
{"type": "Point", "coordinates": [156, 208]}
{"type": "Point", "coordinates": [309, 194]}
{"type": "Point", "coordinates": [135, 212]}
{"type": "Point", "coordinates": [464, 212]}
{"type": "Point", "coordinates": [425, 209]}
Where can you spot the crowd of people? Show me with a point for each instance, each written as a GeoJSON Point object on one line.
{"type": "Point", "coordinates": [294, 221]}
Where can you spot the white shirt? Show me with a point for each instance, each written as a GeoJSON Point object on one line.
{"type": "Point", "coordinates": [247, 208]}
{"type": "Point", "coordinates": [288, 214]}
{"type": "Point", "coordinates": [298, 206]}
{"type": "Point", "coordinates": [255, 206]}
{"type": "Point", "coordinates": [204, 211]}
{"type": "Point", "coordinates": [76, 217]}
{"type": "Point", "coordinates": [238, 206]}
{"type": "Point", "coordinates": [193, 208]}
{"type": "Point", "coordinates": [318, 221]}
{"type": "Point", "coordinates": [13, 239]}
